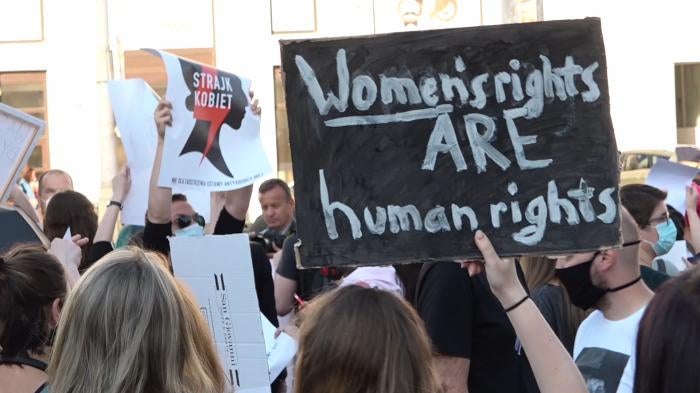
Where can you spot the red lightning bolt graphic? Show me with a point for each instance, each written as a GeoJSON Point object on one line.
{"type": "Point", "coordinates": [215, 116]}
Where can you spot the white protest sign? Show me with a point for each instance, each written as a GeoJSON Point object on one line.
{"type": "Point", "coordinates": [672, 178]}
{"type": "Point", "coordinates": [280, 350]}
{"type": "Point", "coordinates": [219, 272]}
{"type": "Point", "coordinates": [133, 104]}
{"type": "Point", "coordinates": [19, 134]}
{"type": "Point", "coordinates": [214, 142]}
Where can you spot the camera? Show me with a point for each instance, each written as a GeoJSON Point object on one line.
{"type": "Point", "coordinates": [267, 239]}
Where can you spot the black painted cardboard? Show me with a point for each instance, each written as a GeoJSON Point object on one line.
{"type": "Point", "coordinates": [377, 165]}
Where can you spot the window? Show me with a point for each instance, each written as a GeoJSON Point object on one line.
{"type": "Point", "coordinates": [688, 95]}
{"type": "Point", "coordinates": [284, 152]}
{"type": "Point", "coordinates": [139, 64]}
{"type": "Point", "coordinates": [26, 91]}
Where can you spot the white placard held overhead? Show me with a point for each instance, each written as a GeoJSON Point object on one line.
{"type": "Point", "coordinates": [672, 178]}
{"type": "Point", "coordinates": [134, 103]}
{"type": "Point", "coordinates": [214, 142]}
{"type": "Point", "coordinates": [19, 134]}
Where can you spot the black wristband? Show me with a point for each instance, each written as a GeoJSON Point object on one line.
{"type": "Point", "coordinates": [513, 307]}
{"type": "Point", "coordinates": [115, 203]}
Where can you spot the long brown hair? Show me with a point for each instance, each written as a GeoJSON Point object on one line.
{"type": "Point", "coordinates": [129, 327]}
{"type": "Point", "coordinates": [668, 341]}
{"type": "Point", "coordinates": [538, 270]}
{"type": "Point", "coordinates": [358, 339]}
{"type": "Point", "coordinates": [71, 209]}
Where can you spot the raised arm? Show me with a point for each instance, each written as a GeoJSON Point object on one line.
{"type": "Point", "coordinates": [691, 205]}
{"type": "Point", "coordinates": [121, 183]}
{"type": "Point", "coordinates": [159, 198]}
{"type": "Point", "coordinates": [554, 369]}
{"type": "Point", "coordinates": [235, 202]}
{"type": "Point", "coordinates": [68, 253]}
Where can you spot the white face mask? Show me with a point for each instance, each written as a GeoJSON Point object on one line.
{"type": "Point", "coordinates": [193, 230]}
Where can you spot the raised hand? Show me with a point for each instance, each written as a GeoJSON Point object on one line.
{"type": "Point", "coordinates": [501, 273]}
{"type": "Point", "coordinates": [163, 117]}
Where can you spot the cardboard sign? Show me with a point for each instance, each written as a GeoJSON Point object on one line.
{"type": "Point", "coordinates": [214, 142]}
{"type": "Point", "coordinates": [404, 144]}
{"type": "Point", "coordinates": [688, 153]}
{"type": "Point", "coordinates": [133, 103]}
{"type": "Point", "coordinates": [219, 272]}
{"type": "Point", "coordinates": [673, 178]}
{"type": "Point", "coordinates": [19, 134]}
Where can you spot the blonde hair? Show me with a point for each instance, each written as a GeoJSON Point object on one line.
{"type": "Point", "coordinates": [128, 326]}
{"type": "Point", "coordinates": [358, 339]}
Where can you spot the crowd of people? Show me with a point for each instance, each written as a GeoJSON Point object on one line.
{"type": "Point", "coordinates": [84, 316]}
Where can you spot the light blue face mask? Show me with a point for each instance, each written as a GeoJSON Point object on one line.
{"type": "Point", "coordinates": [667, 238]}
{"type": "Point", "coordinates": [193, 230]}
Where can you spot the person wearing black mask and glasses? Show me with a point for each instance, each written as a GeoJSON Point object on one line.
{"type": "Point", "coordinates": [610, 282]}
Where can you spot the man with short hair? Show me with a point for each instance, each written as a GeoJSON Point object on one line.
{"type": "Point", "coordinates": [277, 207]}
{"type": "Point", "coordinates": [51, 183]}
{"type": "Point", "coordinates": [610, 282]}
{"type": "Point", "coordinates": [184, 219]}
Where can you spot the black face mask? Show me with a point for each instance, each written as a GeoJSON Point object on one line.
{"type": "Point", "coordinates": [579, 286]}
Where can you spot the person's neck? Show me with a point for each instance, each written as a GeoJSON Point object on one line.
{"type": "Point", "coordinates": [283, 228]}
{"type": "Point", "coordinates": [625, 302]}
{"type": "Point", "coordinates": [646, 256]}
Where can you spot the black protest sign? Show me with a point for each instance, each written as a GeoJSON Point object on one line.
{"type": "Point", "coordinates": [18, 229]}
{"type": "Point", "coordinates": [404, 144]}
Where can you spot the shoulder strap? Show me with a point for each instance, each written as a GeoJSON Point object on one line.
{"type": "Point", "coordinates": [661, 265]}
{"type": "Point", "coordinates": [24, 361]}
{"type": "Point", "coordinates": [421, 277]}
{"type": "Point", "coordinates": [44, 388]}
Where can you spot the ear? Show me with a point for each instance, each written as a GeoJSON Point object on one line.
{"type": "Point", "coordinates": [606, 260]}
{"type": "Point", "coordinates": [56, 307]}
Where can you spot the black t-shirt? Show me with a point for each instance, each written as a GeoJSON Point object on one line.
{"type": "Point", "coordinates": [97, 251]}
{"type": "Point", "coordinates": [310, 282]}
{"type": "Point", "coordinates": [464, 319]}
{"type": "Point", "coordinates": [653, 278]}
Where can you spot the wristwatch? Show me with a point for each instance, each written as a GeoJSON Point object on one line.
{"type": "Point", "coordinates": [115, 203]}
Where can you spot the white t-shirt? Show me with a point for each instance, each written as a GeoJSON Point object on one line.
{"type": "Point", "coordinates": [603, 351]}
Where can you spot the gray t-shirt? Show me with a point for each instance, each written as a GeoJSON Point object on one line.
{"type": "Point", "coordinates": [550, 300]}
